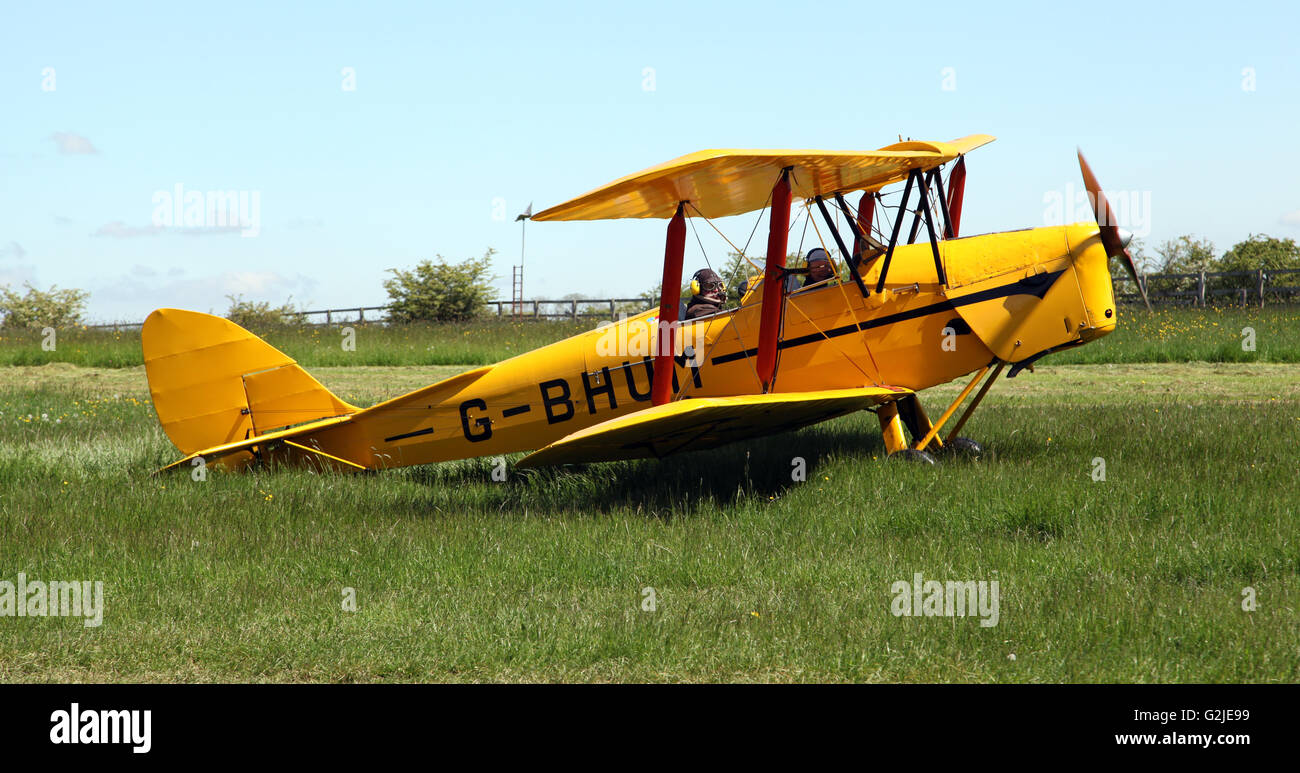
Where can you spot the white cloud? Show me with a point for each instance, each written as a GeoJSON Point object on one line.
{"type": "Point", "coordinates": [215, 230]}
{"type": "Point", "coordinates": [71, 144]}
{"type": "Point", "coordinates": [131, 297]}
{"type": "Point", "coordinates": [1291, 219]}
{"type": "Point", "coordinates": [13, 250]}
{"type": "Point", "coordinates": [258, 283]}
{"type": "Point", "coordinates": [119, 230]}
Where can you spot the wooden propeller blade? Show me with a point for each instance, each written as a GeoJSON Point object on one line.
{"type": "Point", "coordinates": [1108, 227]}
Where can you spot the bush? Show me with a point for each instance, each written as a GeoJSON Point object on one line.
{"type": "Point", "coordinates": [441, 291]}
{"type": "Point", "coordinates": [261, 315]}
{"type": "Point", "coordinates": [50, 308]}
{"type": "Point", "coordinates": [1261, 251]}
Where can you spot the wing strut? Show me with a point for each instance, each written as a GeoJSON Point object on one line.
{"type": "Point", "coordinates": [769, 329]}
{"type": "Point", "coordinates": [670, 298]}
{"type": "Point", "coordinates": [943, 203]}
{"type": "Point", "coordinates": [956, 190]}
{"type": "Point", "coordinates": [851, 258]}
{"type": "Point", "coordinates": [929, 227]}
{"type": "Point", "coordinates": [898, 227]}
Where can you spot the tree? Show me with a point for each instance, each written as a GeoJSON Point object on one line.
{"type": "Point", "coordinates": [1261, 251]}
{"type": "Point", "coordinates": [1184, 255]}
{"type": "Point", "coordinates": [42, 308]}
{"type": "Point", "coordinates": [441, 291]}
{"type": "Point", "coordinates": [261, 315]}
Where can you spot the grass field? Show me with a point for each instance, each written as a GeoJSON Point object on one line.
{"type": "Point", "coordinates": [1166, 335]}
{"type": "Point", "coordinates": [480, 343]}
{"type": "Point", "coordinates": [1139, 577]}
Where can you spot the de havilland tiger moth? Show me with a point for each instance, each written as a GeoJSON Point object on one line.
{"type": "Point", "coordinates": [911, 304]}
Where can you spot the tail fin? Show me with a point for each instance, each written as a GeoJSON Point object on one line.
{"type": "Point", "coordinates": [214, 382]}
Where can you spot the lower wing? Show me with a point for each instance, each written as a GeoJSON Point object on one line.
{"type": "Point", "coordinates": [706, 422]}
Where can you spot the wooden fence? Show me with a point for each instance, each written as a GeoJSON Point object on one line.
{"type": "Point", "coordinates": [571, 309]}
{"type": "Point", "coordinates": [1198, 289]}
{"type": "Point", "coordinates": [1203, 288]}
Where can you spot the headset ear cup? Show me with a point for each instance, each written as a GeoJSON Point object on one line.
{"type": "Point", "coordinates": [695, 287]}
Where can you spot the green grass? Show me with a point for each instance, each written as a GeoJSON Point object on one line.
{"type": "Point", "coordinates": [758, 578]}
{"type": "Point", "coordinates": [1167, 335]}
{"type": "Point", "coordinates": [1214, 334]}
{"type": "Point", "coordinates": [479, 343]}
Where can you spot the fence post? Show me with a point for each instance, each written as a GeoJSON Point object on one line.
{"type": "Point", "coordinates": [361, 315]}
{"type": "Point", "coordinates": [536, 309]}
{"type": "Point", "coordinates": [328, 318]}
{"type": "Point", "coordinates": [573, 310]}
{"type": "Point", "coordinates": [1200, 289]}
{"type": "Point", "coordinates": [1261, 288]}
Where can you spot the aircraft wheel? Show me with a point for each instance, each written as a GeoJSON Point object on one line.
{"type": "Point", "coordinates": [963, 447]}
{"type": "Point", "coordinates": [913, 455]}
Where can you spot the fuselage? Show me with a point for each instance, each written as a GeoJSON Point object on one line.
{"type": "Point", "coordinates": [1010, 296]}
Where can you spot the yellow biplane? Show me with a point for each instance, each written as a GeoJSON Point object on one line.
{"type": "Point", "coordinates": [912, 305]}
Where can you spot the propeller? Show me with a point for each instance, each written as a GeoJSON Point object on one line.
{"type": "Point", "coordinates": [1113, 238]}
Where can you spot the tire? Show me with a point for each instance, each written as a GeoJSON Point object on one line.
{"type": "Point", "coordinates": [913, 455]}
{"type": "Point", "coordinates": [963, 447]}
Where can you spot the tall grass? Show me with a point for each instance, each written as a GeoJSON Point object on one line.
{"type": "Point", "coordinates": [1167, 335]}
{"type": "Point", "coordinates": [473, 343]}
{"type": "Point", "coordinates": [1185, 334]}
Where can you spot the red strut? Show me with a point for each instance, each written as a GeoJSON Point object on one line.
{"type": "Point", "coordinates": [774, 281]}
{"type": "Point", "coordinates": [866, 213]}
{"type": "Point", "coordinates": [670, 298]}
{"type": "Point", "coordinates": [956, 188]}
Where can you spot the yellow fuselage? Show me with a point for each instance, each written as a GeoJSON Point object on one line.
{"type": "Point", "coordinates": [1010, 296]}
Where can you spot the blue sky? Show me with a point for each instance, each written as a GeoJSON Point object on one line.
{"type": "Point", "coordinates": [463, 111]}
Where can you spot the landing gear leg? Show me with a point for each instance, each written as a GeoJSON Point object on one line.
{"type": "Point", "coordinates": [918, 423]}
{"type": "Point", "coordinates": [891, 429]}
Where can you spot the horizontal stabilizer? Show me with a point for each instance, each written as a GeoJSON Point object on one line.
{"type": "Point", "coordinates": [706, 422]}
{"type": "Point", "coordinates": [265, 445]}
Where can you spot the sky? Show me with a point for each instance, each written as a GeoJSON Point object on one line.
{"type": "Point", "coordinates": [368, 136]}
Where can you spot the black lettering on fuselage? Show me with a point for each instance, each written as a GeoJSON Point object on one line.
{"type": "Point", "coordinates": [606, 388]}
{"type": "Point", "coordinates": [562, 399]}
{"type": "Point", "coordinates": [640, 397]}
{"type": "Point", "coordinates": [483, 423]}
{"type": "Point", "coordinates": [682, 360]}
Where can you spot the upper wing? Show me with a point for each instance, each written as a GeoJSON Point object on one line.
{"type": "Point", "coordinates": [731, 182]}
{"type": "Point", "coordinates": [706, 422]}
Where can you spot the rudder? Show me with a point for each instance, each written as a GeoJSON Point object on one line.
{"type": "Point", "coordinates": [213, 382]}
